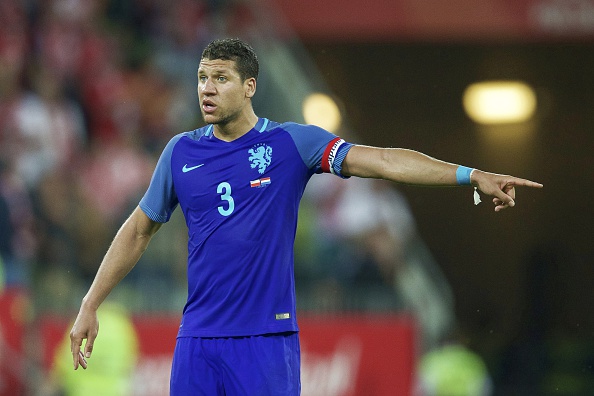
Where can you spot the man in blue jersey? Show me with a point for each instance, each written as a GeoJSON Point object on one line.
{"type": "Point", "coordinates": [238, 181]}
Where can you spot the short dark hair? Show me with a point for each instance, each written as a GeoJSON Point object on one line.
{"type": "Point", "coordinates": [236, 50]}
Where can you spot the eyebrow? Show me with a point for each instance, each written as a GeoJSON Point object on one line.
{"type": "Point", "coordinates": [215, 71]}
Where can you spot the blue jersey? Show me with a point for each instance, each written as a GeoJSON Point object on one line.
{"type": "Point", "coordinates": [240, 200]}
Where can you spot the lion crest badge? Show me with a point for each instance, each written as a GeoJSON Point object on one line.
{"type": "Point", "coordinates": [260, 157]}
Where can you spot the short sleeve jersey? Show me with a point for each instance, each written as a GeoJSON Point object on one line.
{"type": "Point", "coordinates": [240, 201]}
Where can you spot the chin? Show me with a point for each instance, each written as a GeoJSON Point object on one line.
{"type": "Point", "coordinates": [209, 118]}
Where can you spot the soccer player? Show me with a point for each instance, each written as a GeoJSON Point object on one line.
{"type": "Point", "coordinates": [238, 181]}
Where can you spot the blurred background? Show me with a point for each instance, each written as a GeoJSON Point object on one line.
{"type": "Point", "coordinates": [465, 301]}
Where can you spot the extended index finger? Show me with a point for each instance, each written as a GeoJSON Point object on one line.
{"type": "Point", "coordinates": [526, 183]}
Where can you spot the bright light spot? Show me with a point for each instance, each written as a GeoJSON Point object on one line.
{"type": "Point", "coordinates": [499, 102]}
{"type": "Point", "coordinates": [321, 110]}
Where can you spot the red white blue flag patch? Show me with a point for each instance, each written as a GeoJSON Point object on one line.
{"type": "Point", "coordinates": [263, 182]}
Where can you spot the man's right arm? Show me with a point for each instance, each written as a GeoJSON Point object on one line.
{"type": "Point", "coordinates": [128, 245]}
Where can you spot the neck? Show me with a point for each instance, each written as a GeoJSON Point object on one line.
{"type": "Point", "coordinates": [237, 127]}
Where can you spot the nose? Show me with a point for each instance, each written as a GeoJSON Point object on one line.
{"type": "Point", "coordinates": [206, 86]}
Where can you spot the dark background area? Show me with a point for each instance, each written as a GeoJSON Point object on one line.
{"type": "Point", "coordinates": [523, 276]}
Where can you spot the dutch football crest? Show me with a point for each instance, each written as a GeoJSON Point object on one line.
{"type": "Point", "coordinates": [260, 157]}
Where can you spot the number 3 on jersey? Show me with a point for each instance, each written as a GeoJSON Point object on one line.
{"type": "Point", "coordinates": [224, 189]}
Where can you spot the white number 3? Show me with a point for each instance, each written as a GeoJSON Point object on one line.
{"type": "Point", "coordinates": [224, 189]}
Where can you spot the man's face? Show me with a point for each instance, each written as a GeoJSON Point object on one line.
{"type": "Point", "coordinates": [221, 92]}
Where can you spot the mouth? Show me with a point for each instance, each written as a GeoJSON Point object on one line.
{"type": "Point", "coordinates": [208, 106]}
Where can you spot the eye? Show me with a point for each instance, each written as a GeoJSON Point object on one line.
{"type": "Point", "coordinates": [202, 78]}
{"type": "Point", "coordinates": [222, 79]}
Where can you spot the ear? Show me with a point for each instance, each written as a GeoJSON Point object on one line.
{"type": "Point", "coordinates": [250, 87]}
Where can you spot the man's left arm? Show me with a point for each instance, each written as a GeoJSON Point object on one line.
{"type": "Point", "coordinates": [412, 167]}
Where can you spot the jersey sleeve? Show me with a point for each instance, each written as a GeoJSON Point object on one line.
{"type": "Point", "coordinates": [322, 151]}
{"type": "Point", "coordinates": [160, 199]}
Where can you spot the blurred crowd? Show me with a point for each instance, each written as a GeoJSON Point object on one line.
{"type": "Point", "coordinates": [90, 92]}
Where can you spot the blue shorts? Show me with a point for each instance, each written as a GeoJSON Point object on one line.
{"type": "Point", "coordinates": [251, 366]}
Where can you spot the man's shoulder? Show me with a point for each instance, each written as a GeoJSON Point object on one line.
{"type": "Point", "coordinates": [198, 133]}
{"type": "Point", "coordinates": [296, 130]}
{"type": "Point", "coordinates": [288, 126]}
{"type": "Point", "coordinates": [195, 135]}
{"type": "Point", "coordinates": [303, 132]}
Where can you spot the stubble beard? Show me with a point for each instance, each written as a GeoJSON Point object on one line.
{"type": "Point", "coordinates": [221, 120]}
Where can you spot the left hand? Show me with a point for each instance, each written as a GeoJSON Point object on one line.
{"type": "Point", "coordinates": [501, 187]}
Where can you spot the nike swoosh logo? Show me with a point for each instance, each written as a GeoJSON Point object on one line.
{"type": "Point", "coordinates": [186, 169]}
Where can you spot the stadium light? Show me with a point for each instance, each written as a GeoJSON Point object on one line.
{"type": "Point", "coordinates": [321, 110]}
{"type": "Point", "coordinates": [499, 102]}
